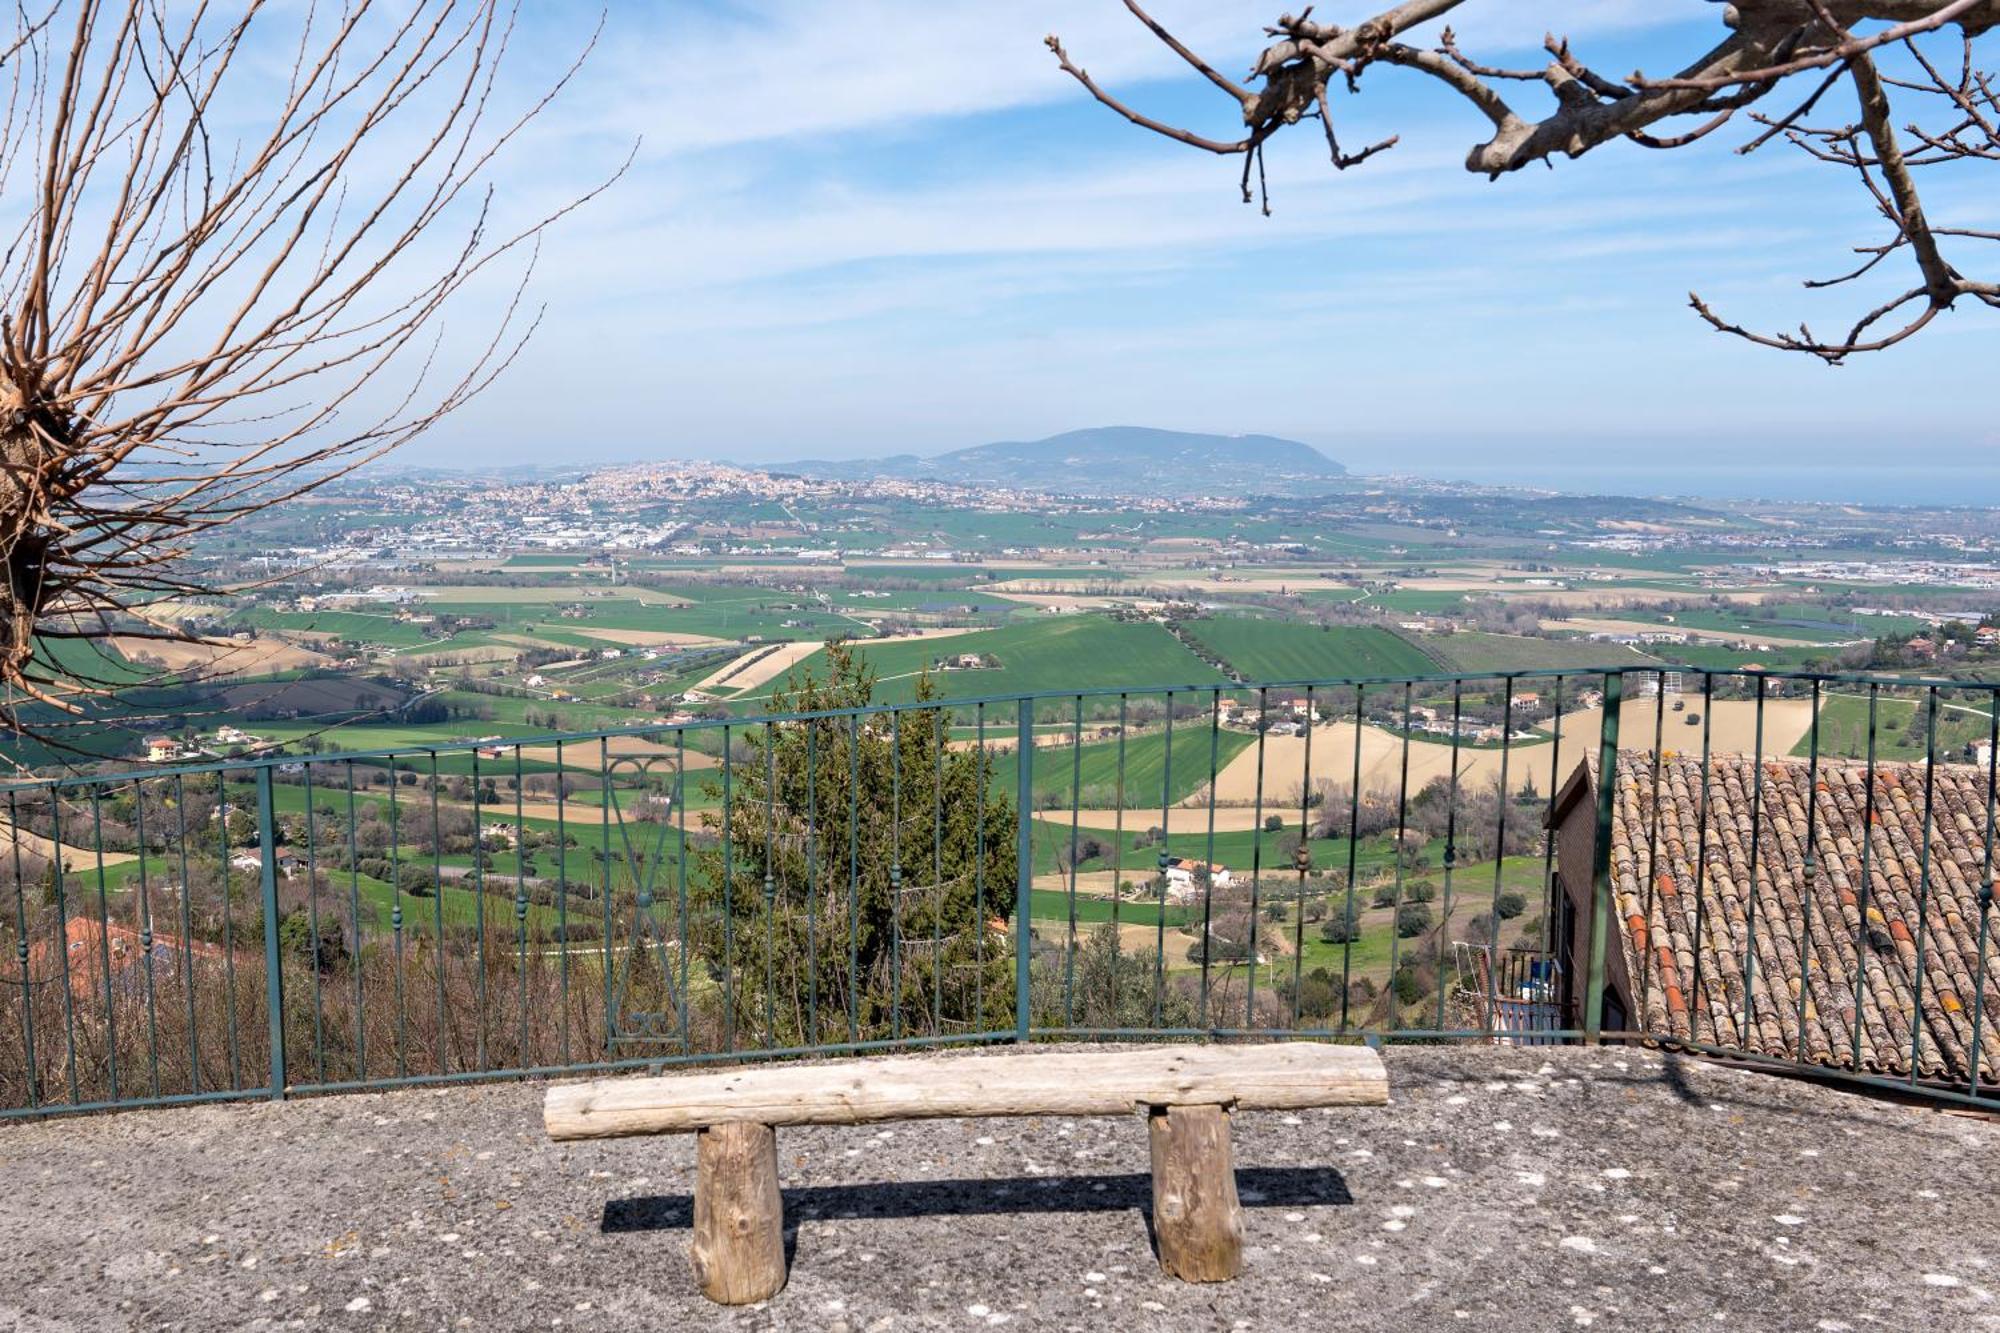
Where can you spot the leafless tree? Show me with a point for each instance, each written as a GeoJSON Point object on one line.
{"type": "Point", "coordinates": [1776, 65]}
{"type": "Point", "coordinates": [230, 230]}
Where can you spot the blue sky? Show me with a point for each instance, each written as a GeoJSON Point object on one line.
{"type": "Point", "coordinates": [894, 225]}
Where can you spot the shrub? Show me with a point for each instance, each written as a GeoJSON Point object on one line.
{"type": "Point", "coordinates": [1422, 891]}
{"type": "Point", "coordinates": [1318, 995]}
{"type": "Point", "coordinates": [1274, 823]}
{"type": "Point", "coordinates": [296, 937]}
{"type": "Point", "coordinates": [1386, 896]}
{"type": "Point", "coordinates": [1340, 928]}
{"type": "Point", "coordinates": [1412, 919]}
{"type": "Point", "coordinates": [1510, 905]}
{"type": "Point", "coordinates": [1409, 987]}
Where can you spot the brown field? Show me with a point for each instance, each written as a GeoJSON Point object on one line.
{"type": "Point", "coordinates": [1733, 731]}
{"type": "Point", "coordinates": [1089, 883]}
{"type": "Point", "coordinates": [222, 657]}
{"type": "Point", "coordinates": [1593, 625]}
{"type": "Point", "coordinates": [775, 661]}
{"type": "Point", "coordinates": [645, 638]}
{"type": "Point", "coordinates": [775, 664]}
{"type": "Point", "coordinates": [74, 858]}
{"type": "Point", "coordinates": [583, 755]}
{"type": "Point", "coordinates": [1181, 819]}
{"type": "Point", "coordinates": [1070, 600]}
{"type": "Point", "coordinates": [1732, 726]}
{"type": "Point", "coordinates": [491, 652]}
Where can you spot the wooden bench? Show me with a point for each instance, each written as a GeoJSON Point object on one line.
{"type": "Point", "coordinates": [1186, 1092]}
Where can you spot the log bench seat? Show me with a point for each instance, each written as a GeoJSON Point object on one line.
{"type": "Point", "coordinates": [1187, 1093]}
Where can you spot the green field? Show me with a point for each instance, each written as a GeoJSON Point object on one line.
{"type": "Point", "coordinates": [1471, 651]}
{"type": "Point", "coordinates": [1283, 650]}
{"type": "Point", "coordinates": [1093, 767]}
{"type": "Point", "coordinates": [1053, 653]}
{"type": "Point", "coordinates": [1419, 600]}
{"type": "Point", "coordinates": [358, 626]}
{"type": "Point", "coordinates": [1900, 729]}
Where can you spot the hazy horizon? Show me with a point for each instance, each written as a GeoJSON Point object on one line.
{"type": "Point", "coordinates": [1650, 470]}
{"type": "Point", "coordinates": [935, 240]}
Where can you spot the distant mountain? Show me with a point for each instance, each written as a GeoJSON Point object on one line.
{"type": "Point", "coordinates": [1109, 460]}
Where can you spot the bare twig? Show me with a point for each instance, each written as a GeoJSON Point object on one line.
{"type": "Point", "coordinates": [1767, 43]}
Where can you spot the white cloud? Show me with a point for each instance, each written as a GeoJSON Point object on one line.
{"type": "Point", "coordinates": [694, 79]}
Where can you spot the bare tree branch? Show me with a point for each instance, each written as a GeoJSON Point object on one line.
{"type": "Point", "coordinates": [194, 330]}
{"type": "Point", "coordinates": [1767, 43]}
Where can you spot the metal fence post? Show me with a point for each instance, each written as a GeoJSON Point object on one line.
{"type": "Point", "coordinates": [274, 971]}
{"type": "Point", "coordinates": [1600, 858]}
{"type": "Point", "coordinates": [1024, 861]}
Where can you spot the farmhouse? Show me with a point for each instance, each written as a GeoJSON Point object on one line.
{"type": "Point", "coordinates": [162, 749]}
{"type": "Point", "coordinates": [1187, 876]}
{"type": "Point", "coordinates": [1850, 941]}
{"type": "Point", "coordinates": [87, 943]}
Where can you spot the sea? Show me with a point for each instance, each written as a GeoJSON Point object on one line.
{"type": "Point", "coordinates": [1920, 485]}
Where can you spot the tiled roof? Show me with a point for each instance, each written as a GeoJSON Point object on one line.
{"type": "Point", "coordinates": [1912, 939]}
{"type": "Point", "coordinates": [90, 942]}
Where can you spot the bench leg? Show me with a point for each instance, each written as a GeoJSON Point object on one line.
{"type": "Point", "coordinates": [1197, 1220]}
{"type": "Point", "coordinates": [739, 1217]}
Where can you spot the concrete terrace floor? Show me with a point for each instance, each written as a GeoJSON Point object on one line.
{"type": "Point", "coordinates": [1502, 1189]}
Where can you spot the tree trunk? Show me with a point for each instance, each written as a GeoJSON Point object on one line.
{"type": "Point", "coordinates": [739, 1216]}
{"type": "Point", "coordinates": [1197, 1220]}
{"type": "Point", "coordinates": [23, 542]}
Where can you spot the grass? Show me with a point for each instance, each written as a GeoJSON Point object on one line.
{"type": "Point", "coordinates": [1238, 849]}
{"type": "Point", "coordinates": [1473, 651]}
{"type": "Point", "coordinates": [1054, 653]}
{"type": "Point", "coordinates": [458, 906]}
{"type": "Point", "coordinates": [1420, 601]}
{"type": "Point", "coordinates": [1899, 729]}
{"type": "Point", "coordinates": [1716, 658]}
{"type": "Point", "coordinates": [1285, 650]}
{"type": "Point", "coordinates": [1053, 905]}
{"type": "Point", "coordinates": [358, 626]}
{"type": "Point", "coordinates": [1093, 767]}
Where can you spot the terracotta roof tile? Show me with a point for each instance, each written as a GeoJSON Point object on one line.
{"type": "Point", "coordinates": [1758, 927]}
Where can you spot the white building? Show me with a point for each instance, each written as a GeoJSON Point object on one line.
{"type": "Point", "coordinates": [1184, 875]}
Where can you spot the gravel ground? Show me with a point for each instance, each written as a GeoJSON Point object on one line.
{"type": "Point", "coordinates": [1525, 1189]}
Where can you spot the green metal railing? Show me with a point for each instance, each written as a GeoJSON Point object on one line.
{"type": "Point", "coordinates": [1786, 868]}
